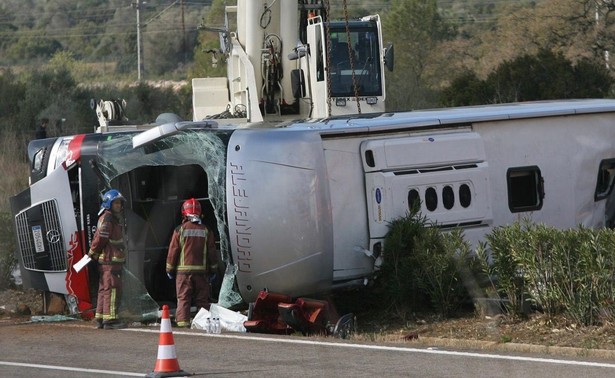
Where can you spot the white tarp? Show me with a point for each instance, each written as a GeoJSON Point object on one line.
{"type": "Point", "coordinates": [229, 320]}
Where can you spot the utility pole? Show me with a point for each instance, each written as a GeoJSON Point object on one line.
{"type": "Point", "coordinates": [606, 52]}
{"type": "Point", "coordinates": [183, 32]}
{"type": "Point", "coordinates": [137, 6]}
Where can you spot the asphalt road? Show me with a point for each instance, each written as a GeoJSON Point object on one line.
{"type": "Point", "coordinates": [75, 349]}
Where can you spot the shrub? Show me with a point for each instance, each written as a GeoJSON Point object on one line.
{"type": "Point", "coordinates": [566, 272]}
{"type": "Point", "coordinates": [397, 275]}
{"type": "Point", "coordinates": [498, 261]}
{"type": "Point", "coordinates": [422, 266]}
{"type": "Point", "coordinates": [438, 259]}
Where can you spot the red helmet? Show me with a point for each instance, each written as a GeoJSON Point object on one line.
{"type": "Point", "coordinates": [191, 207]}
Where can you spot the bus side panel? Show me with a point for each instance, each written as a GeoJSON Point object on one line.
{"type": "Point", "coordinates": [279, 213]}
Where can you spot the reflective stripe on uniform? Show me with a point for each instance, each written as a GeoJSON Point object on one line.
{"type": "Point", "coordinates": [199, 233]}
{"type": "Point", "coordinates": [194, 233]}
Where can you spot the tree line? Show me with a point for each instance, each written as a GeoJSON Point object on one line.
{"type": "Point", "coordinates": [497, 52]}
{"type": "Point", "coordinates": [447, 52]}
{"type": "Point", "coordinates": [101, 32]}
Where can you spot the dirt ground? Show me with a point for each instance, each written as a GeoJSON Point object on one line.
{"type": "Point", "coordinates": [19, 305]}
{"type": "Point", "coordinates": [536, 330]}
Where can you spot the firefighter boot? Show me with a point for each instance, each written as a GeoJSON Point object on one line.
{"type": "Point", "coordinates": [114, 324]}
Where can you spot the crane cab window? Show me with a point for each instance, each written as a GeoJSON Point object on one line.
{"type": "Point", "coordinates": [355, 53]}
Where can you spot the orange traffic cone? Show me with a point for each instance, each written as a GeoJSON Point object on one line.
{"type": "Point", "coordinates": [167, 364]}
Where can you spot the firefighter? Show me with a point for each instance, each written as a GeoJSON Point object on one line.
{"type": "Point", "coordinates": [41, 132]}
{"type": "Point", "coordinates": [108, 249]}
{"type": "Point", "coordinates": [192, 256]}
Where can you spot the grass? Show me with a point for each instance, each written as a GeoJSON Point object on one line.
{"type": "Point", "coordinates": [15, 179]}
{"type": "Point", "coordinates": [13, 160]}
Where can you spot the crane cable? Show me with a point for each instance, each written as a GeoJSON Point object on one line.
{"type": "Point", "coordinates": [328, 39]}
{"type": "Point", "coordinates": [351, 58]}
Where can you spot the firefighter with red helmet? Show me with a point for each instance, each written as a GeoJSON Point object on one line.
{"type": "Point", "coordinates": [192, 255]}
{"type": "Point", "coordinates": [108, 249]}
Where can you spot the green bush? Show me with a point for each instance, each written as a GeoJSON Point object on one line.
{"type": "Point", "coordinates": [438, 260]}
{"type": "Point", "coordinates": [396, 276]}
{"type": "Point", "coordinates": [501, 267]}
{"type": "Point", "coordinates": [560, 272]}
{"type": "Point", "coordinates": [573, 273]}
{"type": "Point", "coordinates": [421, 267]}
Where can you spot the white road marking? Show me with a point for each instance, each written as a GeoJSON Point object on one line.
{"type": "Point", "coordinates": [322, 343]}
{"type": "Point", "coordinates": [392, 348]}
{"type": "Point", "coordinates": [68, 368]}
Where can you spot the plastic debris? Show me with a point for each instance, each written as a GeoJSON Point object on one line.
{"type": "Point", "coordinates": [50, 318]}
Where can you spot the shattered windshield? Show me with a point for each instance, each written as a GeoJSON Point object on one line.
{"type": "Point", "coordinates": [156, 178]}
{"type": "Point", "coordinates": [207, 149]}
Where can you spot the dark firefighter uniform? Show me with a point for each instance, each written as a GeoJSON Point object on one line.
{"type": "Point", "coordinates": [191, 247]}
{"type": "Point", "coordinates": [108, 249]}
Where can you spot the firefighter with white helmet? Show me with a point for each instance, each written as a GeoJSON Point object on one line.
{"type": "Point", "coordinates": [108, 249]}
{"type": "Point", "coordinates": [192, 255]}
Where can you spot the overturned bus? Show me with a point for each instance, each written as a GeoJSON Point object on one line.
{"type": "Point", "coordinates": [302, 208]}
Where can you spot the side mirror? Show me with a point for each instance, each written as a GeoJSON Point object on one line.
{"type": "Point", "coordinates": [297, 52]}
{"type": "Point", "coordinates": [389, 57]}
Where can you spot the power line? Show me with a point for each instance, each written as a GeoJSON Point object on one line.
{"type": "Point", "coordinates": [23, 18]}
{"type": "Point", "coordinates": [41, 34]}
